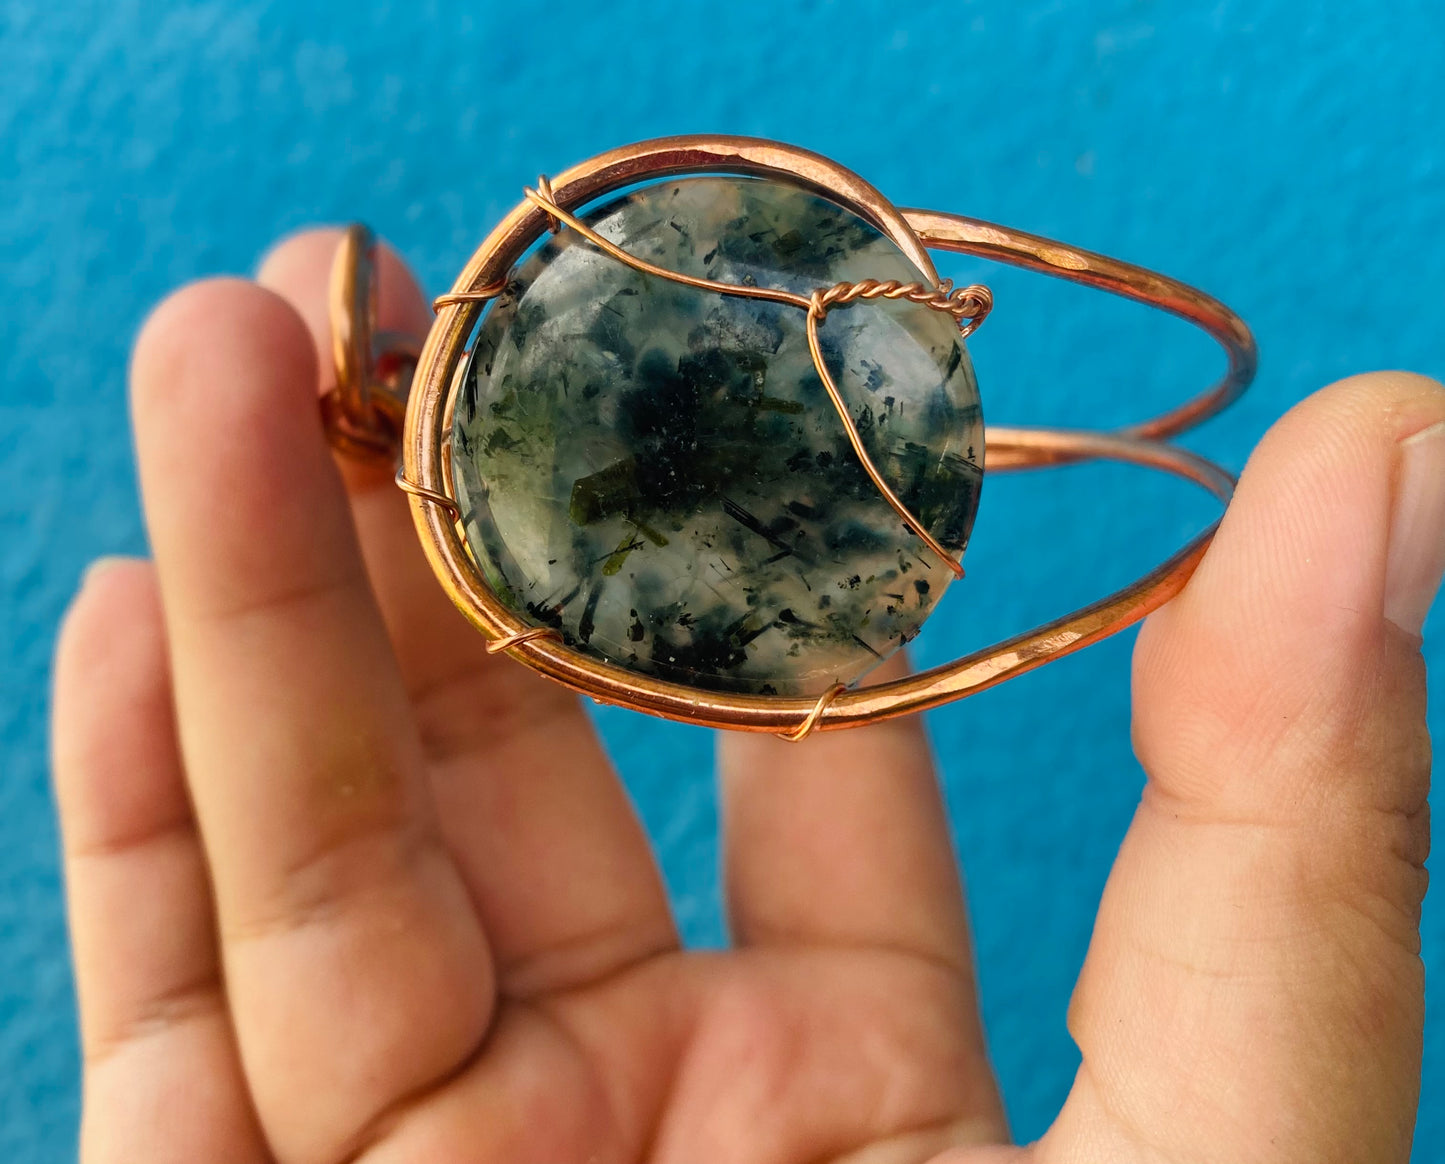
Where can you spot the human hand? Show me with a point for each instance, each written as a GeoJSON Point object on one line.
{"type": "Point", "coordinates": [345, 888]}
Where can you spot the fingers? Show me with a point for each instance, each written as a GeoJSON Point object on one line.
{"type": "Point", "coordinates": [546, 838]}
{"type": "Point", "coordinates": [162, 1079]}
{"type": "Point", "coordinates": [1254, 987]}
{"type": "Point", "coordinates": [843, 841]}
{"type": "Point", "coordinates": [344, 923]}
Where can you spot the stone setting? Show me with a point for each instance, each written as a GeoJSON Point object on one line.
{"type": "Point", "coordinates": [655, 471]}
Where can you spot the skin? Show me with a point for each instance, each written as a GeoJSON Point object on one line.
{"type": "Point", "coordinates": [345, 888]}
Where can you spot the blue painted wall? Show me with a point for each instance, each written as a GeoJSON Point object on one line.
{"type": "Point", "coordinates": [1287, 155]}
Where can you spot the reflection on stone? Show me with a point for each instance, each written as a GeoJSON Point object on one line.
{"type": "Point", "coordinates": [657, 472]}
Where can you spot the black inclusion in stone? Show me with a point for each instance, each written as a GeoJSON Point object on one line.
{"type": "Point", "coordinates": [609, 329]}
{"type": "Point", "coordinates": [712, 647]}
{"type": "Point", "coordinates": [588, 623]}
{"type": "Point", "coordinates": [612, 491]}
{"type": "Point", "coordinates": [695, 423]}
{"type": "Point", "coordinates": [659, 417]}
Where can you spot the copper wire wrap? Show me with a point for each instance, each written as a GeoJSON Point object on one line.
{"type": "Point", "coordinates": [507, 642]}
{"type": "Point", "coordinates": [426, 444]}
{"type": "Point", "coordinates": [480, 295]}
{"type": "Point", "coordinates": [810, 721]}
{"type": "Point", "coordinates": [544, 192]}
{"type": "Point", "coordinates": [426, 494]}
{"type": "Point", "coordinates": [969, 304]}
{"type": "Point", "coordinates": [431, 496]}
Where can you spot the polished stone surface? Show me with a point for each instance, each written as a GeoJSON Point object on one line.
{"type": "Point", "coordinates": [656, 470]}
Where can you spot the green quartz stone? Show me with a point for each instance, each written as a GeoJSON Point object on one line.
{"type": "Point", "coordinates": [657, 472]}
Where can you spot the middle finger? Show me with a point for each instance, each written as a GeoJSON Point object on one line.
{"type": "Point", "coordinates": [539, 823]}
{"type": "Point", "coordinates": [842, 842]}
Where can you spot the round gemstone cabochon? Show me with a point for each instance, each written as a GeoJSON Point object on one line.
{"type": "Point", "coordinates": [656, 470]}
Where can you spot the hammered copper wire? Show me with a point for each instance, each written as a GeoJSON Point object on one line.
{"type": "Point", "coordinates": [438, 370]}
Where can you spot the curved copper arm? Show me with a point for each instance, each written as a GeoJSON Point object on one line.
{"type": "Point", "coordinates": [986, 240]}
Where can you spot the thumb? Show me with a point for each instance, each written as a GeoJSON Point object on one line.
{"type": "Point", "coordinates": [1254, 990]}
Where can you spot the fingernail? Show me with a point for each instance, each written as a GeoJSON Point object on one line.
{"type": "Point", "coordinates": [1416, 562]}
{"type": "Point", "coordinates": [101, 565]}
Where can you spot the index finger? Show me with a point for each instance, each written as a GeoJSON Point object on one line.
{"type": "Point", "coordinates": [335, 895]}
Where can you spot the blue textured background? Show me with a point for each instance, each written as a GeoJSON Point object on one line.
{"type": "Point", "coordinates": [1286, 155]}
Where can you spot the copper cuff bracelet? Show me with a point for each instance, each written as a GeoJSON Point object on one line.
{"type": "Point", "coordinates": [706, 449]}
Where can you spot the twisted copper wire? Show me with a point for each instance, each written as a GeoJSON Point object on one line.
{"type": "Point", "coordinates": [972, 303]}
{"type": "Point", "coordinates": [967, 303]}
